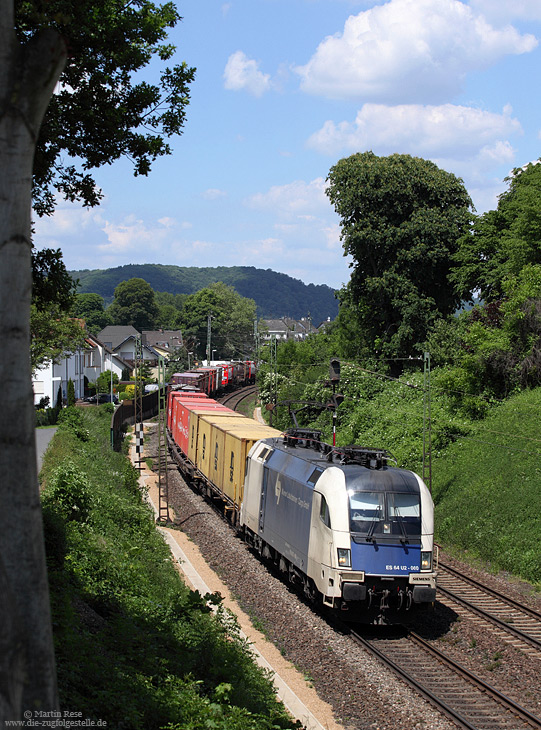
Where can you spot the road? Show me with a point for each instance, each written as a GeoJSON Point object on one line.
{"type": "Point", "coordinates": [43, 436]}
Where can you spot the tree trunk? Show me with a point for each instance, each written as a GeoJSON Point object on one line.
{"type": "Point", "coordinates": [28, 75]}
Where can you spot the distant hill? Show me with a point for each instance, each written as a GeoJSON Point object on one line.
{"type": "Point", "coordinates": [276, 295]}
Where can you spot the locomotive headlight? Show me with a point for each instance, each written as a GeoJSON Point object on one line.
{"type": "Point", "coordinates": [426, 560]}
{"type": "Point", "coordinates": [344, 557]}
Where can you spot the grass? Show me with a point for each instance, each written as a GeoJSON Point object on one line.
{"type": "Point", "coordinates": [135, 647]}
{"type": "Point", "coordinates": [247, 406]}
{"type": "Point", "coordinates": [486, 489]}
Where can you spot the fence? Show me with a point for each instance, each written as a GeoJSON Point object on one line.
{"type": "Point", "coordinates": [124, 416]}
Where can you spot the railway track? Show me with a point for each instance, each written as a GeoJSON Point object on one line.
{"type": "Point", "coordinates": [233, 400]}
{"type": "Point", "coordinates": [514, 623]}
{"type": "Point", "coordinates": [463, 697]}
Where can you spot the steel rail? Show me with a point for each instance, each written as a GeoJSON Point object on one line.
{"type": "Point", "coordinates": [526, 634]}
{"type": "Point", "coordinates": [491, 591]}
{"type": "Point", "coordinates": [455, 713]}
{"type": "Point", "coordinates": [238, 396]}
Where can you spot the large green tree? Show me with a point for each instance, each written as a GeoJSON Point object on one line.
{"type": "Point", "coordinates": [502, 241]}
{"type": "Point", "coordinates": [232, 323]}
{"type": "Point", "coordinates": [134, 304]}
{"type": "Point", "coordinates": [89, 307]}
{"type": "Point", "coordinates": [401, 218]}
{"type": "Point", "coordinates": [53, 331]}
{"type": "Point", "coordinates": [49, 142]}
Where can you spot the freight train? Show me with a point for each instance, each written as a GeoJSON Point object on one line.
{"type": "Point", "coordinates": [355, 534]}
{"type": "Point", "coordinates": [214, 379]}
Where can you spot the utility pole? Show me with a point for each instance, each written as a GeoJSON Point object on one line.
{"type": "Point", "coordinates": [334, 374]}
{"type": "Point", "coordinates": [256, 342]}
{"type": "Point", "coordinates": [163, 485]}
{"type": "Point", "coordinates": [138, 399]}
{"type": "Point", "coordinates": [426, 417]}
{"type": "Point", "coordinates": [209, 333]}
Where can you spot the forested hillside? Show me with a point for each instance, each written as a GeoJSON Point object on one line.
{"type": "Point", "coordinates": [276, 295]}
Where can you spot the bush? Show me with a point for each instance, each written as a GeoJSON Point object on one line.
{"type": "Point", "coordinates": [67, 488]}
{"type": "Point", "coordinates": [71, 393]}
{"type": "Point", "coordinates": [71, 419]}
{"type": "Point", "coordinates": [46, 417]}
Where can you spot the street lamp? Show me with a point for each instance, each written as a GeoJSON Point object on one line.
{"type": "Point", "coordinates": [212, 358]}
{"type": "Point", "coordinates": [189, 366]}
{"type": "Point", "coordinates": [111, 362]}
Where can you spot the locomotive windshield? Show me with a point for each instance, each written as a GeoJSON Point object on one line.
{"type": "Point", "coordinates": [381, 514]}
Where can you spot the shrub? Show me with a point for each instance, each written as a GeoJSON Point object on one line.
{"type": "Point", "coordinates": [71, 419]}
{"type": "Point", "coordinates": [67, 489]}
{"type": "Point", "coordinates": [46, 417]}
{"type": "Point", "coordinates": [71, 393]}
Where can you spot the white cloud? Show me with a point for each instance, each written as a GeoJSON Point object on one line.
{"type": "Point", "coordinates": [408, 50]}
{"type": "Point", "coordinates": [213, 194]}
{"type": "Point", "coordinates": [443, 131]}
{"type": "Point", "coordinates": [297, 198]}
{"type": "Point", "coordinates": [307, 243]}
{"type": "Point", "coordinates": [242, 74]}
{"type": "Point", "coordinates": [167, 222]}
{"type": "Point", "coordinates": [67, 219]}
{"type": "Point", "coordinates": [332, 235]}
{"type": "Point", "coordinates": [133, 236]}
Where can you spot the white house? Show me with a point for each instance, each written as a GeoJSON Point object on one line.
{"type": "Point", "coordinates": [122, 341]}
{"type": "Point", "coordinates": [84, 366]}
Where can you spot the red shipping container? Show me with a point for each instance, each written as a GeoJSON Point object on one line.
{"type": "Point", "coordinates": [184, 421]}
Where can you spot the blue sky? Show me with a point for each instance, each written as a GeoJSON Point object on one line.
{"type": "Point", "coordinates": [283, 90]}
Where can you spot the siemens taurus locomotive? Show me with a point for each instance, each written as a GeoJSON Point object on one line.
{"type": "Point", "coordinates": [353, 532]}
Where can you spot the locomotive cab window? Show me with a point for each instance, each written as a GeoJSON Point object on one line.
{"type": "Point", "coordinates": [265, 453]}
{"type": "Point", "coordinates": [366, 507]}
{"type": "Point", "coordinates": [393, 514]}
{"type": "Point", "coordinates": [324, 512]}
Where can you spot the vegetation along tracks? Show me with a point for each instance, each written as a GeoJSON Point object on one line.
{"type": "Point", "coordinates": [515, 623]}
{"type": "Point", "coordinates": [463, 697]}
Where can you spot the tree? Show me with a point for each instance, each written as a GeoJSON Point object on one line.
{"type": "Point", "coordinates": [89, 307]}
{"type": "Point", "coordinates": [102, 111]}
{"type": "Point", "coordinates": [170, 306]}
{"type": "Point", "coordinates": [53, 331]}
{"type": "Point", "coordinates": [401, 218]}
{"type": "Point", "coordinates": [98, 115]}
{"type": "Point", "coordinates": [103, 381]}
{"type": "Point", "coordinates": [54, 334]}
{"type": "Point", "coordinates": [134, 304]}
{"type": "Point", "coordinates": [232, 324]}
{"type": "Point", "coordinates": [71, 393]}
{"type": "Point", "coordinates": [502, 241]}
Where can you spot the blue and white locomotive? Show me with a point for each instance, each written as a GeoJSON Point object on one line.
{"type": "Point", "coordinates": [355, 533]}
